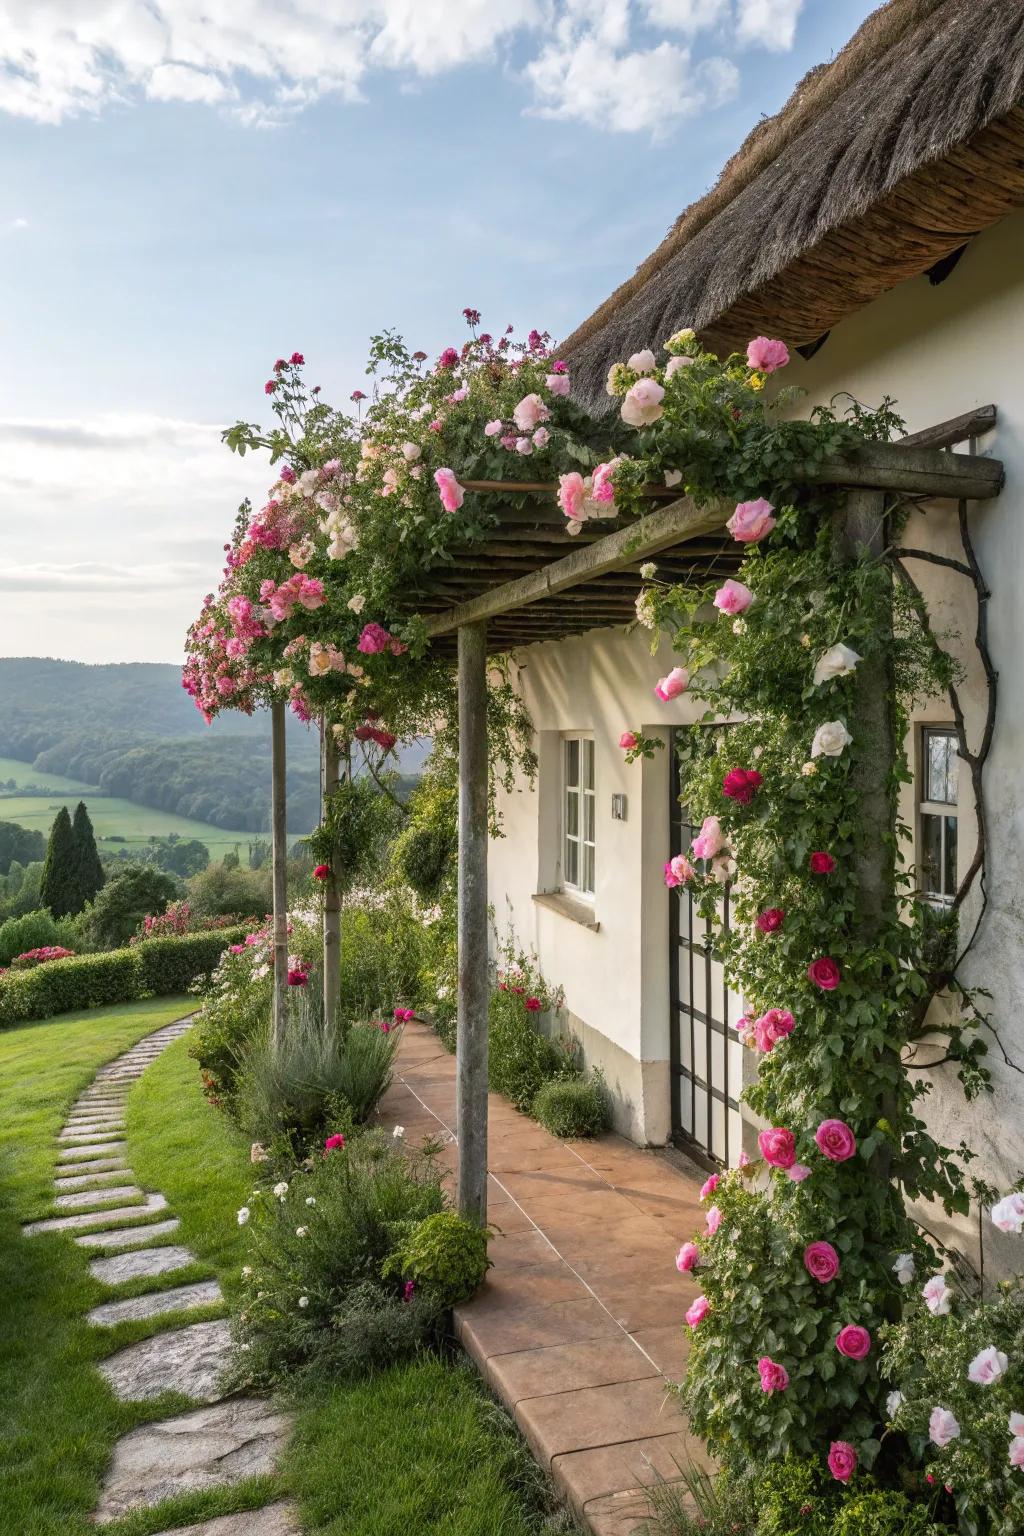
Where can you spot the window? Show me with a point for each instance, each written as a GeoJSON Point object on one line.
{"type": "Point", "coordinates": [578, 808]}
{"type": "Point", "coordinates": [939, 772]}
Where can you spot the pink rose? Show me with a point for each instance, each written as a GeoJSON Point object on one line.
{"type": "Point", "coordinates": [572, 493]}
{"type": "Point", "coordinates": [530, 412]}
{"type": "Point", "coordinates": [451, 492]}
{"type": "Point", "coordinates": [524, 445]}
{"type": "Point", "coordinates": [770, 920]}
{"type": "Point", "coordinates": [798, 1173]}
{"type": "Point", "coordinates": [601, 481]}
{"type": "Point", "coordinates": [773, 1026]}
{"type": "Point", "coordinates": [1016, 1451]}
{"type": "Point", "coordinates": [687, 1258]}
{"type": "Point", "coordinates": [334, 1143]}
{"type": "Point", "coordinates": [494, 429]}
{"type": "Point", "coordinates": [697, 1311]}
{"type": "Point", "coordinates": [774, 1377]}
{"type": "Point", "coordinates": [741, 784]}
{"type": "Point", "coordinates": [824, 973]}
{"type": "Point", "coordinates": [709, 1186]}
{"type": "Point", "coordinates": [821, 1261]}
{"type": "Point", "coordinates": [733, 597]}
{"type": "Point", "coordinates": [673, 684]}
{"type": "Point", "coordinates": [842, 1460]}
{"type": "Point", "coordinates": [642, 405]}
{"type": "Point", "coordinates": [709, 839]}
{"type": "Point", "coordinates": [765, 355]}
{"type": "Point", "coordinates": [942, 1427]}
{"type": "Point", "coordinates": [752, 521]}
{"type": "Point", "coordinates": [628, 740]}
{"type": "Point", "coordinates": [558, 383]}
{"type": "Point", "coordinates": [678, 871]}
{"type": "Point", "coordinates": [714, 1220]}
{"type": "Point", "coordinates": [822, 863]}
{"type": "Point", "coordinates": [836, 1140]}
{"type": "Point", "coordinates": [509, 441]}
{"type": "Point", "coordinates": [541, 437]}
{"type": "Point", "coordinates": [778, 1147]}
{"type": "Point", "coordinates": [853, 1341]}
{"type": "Point", "coordinates": [987, 1366]}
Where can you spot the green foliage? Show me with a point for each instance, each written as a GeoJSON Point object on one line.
{"type": "Point", "coordinates": [21, 845]}
{"type": "Point", "coordinates": [445, 1255]}
{"type": "Point", "coordinates": [125, 900]}
{"type": "Point", "coordinates": [795, 1497]}
{"type": "Point", "coordinates": [32, 931]}
{"type": "Point", "coordinates": [221, 890]}
{"type": "Point", "coordinates": [884, 1513]}
{"type": "Point", "coordinates": [573, 1106]}
{"type": "Point", "coordinates": [425, 853]}
{"type": "Point", "coordinates": [359, 821]}
{"type": "Point", "coordinates": [520, 1058]}
{"type": "Point", "coordinates": [82, 982]}
{"type": "Point", "coordinates": [58, 889]}
{"type": "Point", "coordinates": [365, 1067]}
{"type": "Point", "coordinates": [383, 951]}
{"type": "Point", "coordinates": [372, 1329]}
{"type": "Point", "coordinates": [88, 871]}
{"type": "Point", "coordinates": [177, 962]}
{"type": "Point", "coordinates": [181, 856]}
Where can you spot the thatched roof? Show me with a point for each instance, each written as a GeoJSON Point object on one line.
{"type": "Point", "coordinates": [881, 163]}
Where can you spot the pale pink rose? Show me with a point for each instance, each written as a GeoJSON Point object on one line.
{"type": "Point", "coordinates": [1008, 1214]}
{"type": "Point", "coordinates": [541, 437]}
{"type": "Point", "coordinates": [678, 871]}
{"type": "Point", "coordinates": [1016, 1451]}
{"type": "Point", "coordinates": [744, 1159]}
{"type": "Point", "coordinates": [798, 1173]}
{"type": "Point", "coordinates": [774, 1377]}
{"type": "Point", "coordinates": [494, 428]}
{"type": "Point", "coordinates": [411, 452]}
{"type": "Point", "coordinates": [449, 489]}
{"type": "Point", "coordinates": [709, 1186]}
{"type": "Point", "coordinates": [687, 1258]}
{"type": "Point", "coordinates": [987, 1366]}
{"type": "Point", "coordinates": [733, 597]}
{"type": "Point", "coordinates": [672, 684]}
{"type": "Point", "coordinates": [530, 412]}
{"type": "Point", "coordinates": [938, 1296]}
{"type": "Point", "coordinates": [572, 493]}
{"type": "Point", "coordinates": [751, 521]}
{"type": "Point", "coordinates": [697, 1311]}
{"type": "Point", "coordinates": [709, 840]}
{"type": "Point", "coordinates": [558, 383]}
{"type": "Point", "coordinates": [642, 405]}
{"type": "Point", "coordinates": [723, 867]}
{"type": "Point", "coordinates": [714, 1220]}
{"type": "Point", "coordinates": [942, 1427]}
{"type": "Point", "coordinates": [1016, 1424]}
{"type": "Point", "coordinates": [842, 1460]}
{"type": "Point", "coordinates": [675, 363]}
{"type": "Point", "coordinates": [524, 445]}
{"type": "Point", "coordinates": [766, 355]}
{"type": "Point", "coordinates": [642, 362]}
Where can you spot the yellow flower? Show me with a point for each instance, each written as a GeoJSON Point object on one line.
{"type": "Point", "coordinates": [682, 342]}
{"type": "Point", "coordinates": [757, 380]}
{"type": "Point", "coordinates": [619, 379]}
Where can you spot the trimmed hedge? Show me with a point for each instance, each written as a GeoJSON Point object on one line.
{"type": "Point", "coordinates": [154, 966]}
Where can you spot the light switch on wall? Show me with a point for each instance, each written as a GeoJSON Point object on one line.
{"type": "Point", "coordinates": [618, 807]}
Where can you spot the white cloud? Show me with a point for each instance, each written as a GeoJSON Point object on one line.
{"type": "Point", "coordinates": [266, 60]}
{"type": "Point", "coordinates": [19, 223]}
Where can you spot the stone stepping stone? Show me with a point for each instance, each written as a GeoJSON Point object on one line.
{"type": "Point", "coordinates": [106, 1127]}
{"type": "Point", "coordinates": [86, 1197]}
{"type": "Point", "coordinates": [281, 1519]}
{"type": "Point", "coordinates": [213, 1447]}
{"type": "Point", "coordinates": [188, 1360]}
{"type": "Point", "coordinates": [97, 1218]}
{"type": "Point", "coordinates": [94, 1149]}
{"type": "Point", "coordinates": [70, 1175]}
{"type": "Point", "coordinates": [128, 1237]}
{"type": "Point", "coordinates": [92, 1135]}
{"type": "Point", "coordinates": [144, 1265]}
{"type": "Point", "coordinates": [95, 1180]}
{"type": "Point", "coordinates": [204, 1293]}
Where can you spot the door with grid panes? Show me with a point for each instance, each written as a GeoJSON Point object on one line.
{"type": "Point", "coordinates": [705, 1054]}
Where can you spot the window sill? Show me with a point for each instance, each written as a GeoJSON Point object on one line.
{"type": "Point", "coordinates": [568, 906]}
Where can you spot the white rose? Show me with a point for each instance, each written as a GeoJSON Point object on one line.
{"type": "Point", "coordinates": [838, 661]}
{"type": "Point", "coordinates": [809, 770]}
{"type": "Point", "coordinates": [303, 1302]}
{"type": "Point", "coordinates": [280, 1190]}
{"type": "Point", "coordinates": [284, 678]}
{"type": "Point", "coordinates": [642, 362]}
{"type": "Point", "coordinates": [411, 452]}
{"type": "Point", "coordinates": [311, 1199]}
{"type": "Point", "coordinates": [937, 1295]}
{"type": "Point", "coordinates": [642, 404]}
{"type": "Point", "coordinates": [903, 1269]}
{"type": "Point", "coordinates": [243, 1216]}
{"type": "Point", "coordinates": [830, 739]}
{"type": "Point", "coordinates": [893, 1404]}
{"type": "Point", "coordinates": [301, 1231]}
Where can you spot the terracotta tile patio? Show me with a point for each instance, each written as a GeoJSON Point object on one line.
{"type": "Point", "coordinates": [579, 1325]}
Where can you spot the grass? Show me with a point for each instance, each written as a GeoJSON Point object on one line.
{"type": "Point", "coordinates": [25, 776]}
{"type": "Point", "coordinates": [120, 825]}
{"type": "Point", "coordinates": [418, 1448]}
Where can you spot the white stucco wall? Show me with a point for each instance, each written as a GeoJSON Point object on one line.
{"type": "Point", "coordinates": [938, 351]}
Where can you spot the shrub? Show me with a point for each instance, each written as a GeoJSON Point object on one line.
{"type": "Point", "coordinates": [176, 963]}
{"type": "Point", "coordinates": [884, 1513]}
{"type": "Point", "coordinates": [34, 957]}
{"type": "Point", "coordinates": [19, 934]}
{"type": "Point", "coordinates": [366, 1065]}
{"type": "Point", "coordinates": [123, 902]}
{"type": "Point", "coordinates": [372, 1329]}
{"type": "Point", "coordinates": [383, 945]}
{"type": "Point", "coordinates": [226, 889]}
{"type": "Point", "coordinates": [290, 1088]}
{"type": "Point", "coordinates": [444, 1255]}
{"type": "Point", "coordinates": [424, 855]}
{"type": "Point", "coordinates": [573, 1106]}
{"type": "Point", "coordinates": [82, 982]}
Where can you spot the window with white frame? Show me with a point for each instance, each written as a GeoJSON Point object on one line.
{"type": "Point", "coordinates": [937, 814]}
{"type": "Point", "coordinates": [578, 814]}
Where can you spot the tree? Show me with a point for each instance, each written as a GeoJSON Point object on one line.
{"type": "Point", "coordinates": [135, 893]}
{"type": "Point", "coordinates": [59, 888]}
{"type": "Point", "coordinates": [89, 870]}
{"type": "Point", "coordinates": [19, 844]}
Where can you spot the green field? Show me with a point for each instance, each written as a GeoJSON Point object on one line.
{"type": "Point", "coordinates": [24, 774]}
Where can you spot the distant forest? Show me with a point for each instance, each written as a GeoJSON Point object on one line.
{"type": "Point", "coordinates": [132, 731]}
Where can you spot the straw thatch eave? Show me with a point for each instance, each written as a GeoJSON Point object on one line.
{"type": "Point", "coordinates": [888, 159]}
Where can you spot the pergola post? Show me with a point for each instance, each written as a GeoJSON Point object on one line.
{"type": "Point", "coordinates": [279, 849]}
{"type": "Point", "coordinates": [330, 768]}
{"type": "Point", "coordinates": [474, 987]}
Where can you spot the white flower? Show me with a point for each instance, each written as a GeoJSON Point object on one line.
{"type": "Point", "coordinates": [1008, 1215]}
{"type": "Point", "coordinates": [830, 739]}
{"type": "Point", "coordinates": [357, 603]}
{"type": "Point", "coordinates": [648, 569]}
{"type": "Point", "coordinates": [443, 992]}
{"type": "Point", "coordinates": [837, 661]}
{"type": "Point", "coordinates": [942, 1427]}
{"type": "Point", "coordinates": [411, 452]}
{"type": "Point", "coordinates": [258, 1154]}
{"type": "Point", "coordinates": [280, 1190]}
{"type": "Point", "coordinates": [642, 404]}
{"type": "Point", "coordinates": [311, 1199]}
{"type": "Point", "coordinates": [284, 677]}
{"type": "Point", "coordinates": [938, 1296]}
{"type": "Point", "coordinates": [809, 770]}
{"type": "Point", "coordinates": [301, 1231]}
{"type": "Point", "coordinates": [398, 1133]}
{"type": "Point", "coordinates": [903, 1269]}
{"type": "Point", "coordinates": [739, 626]}
{"type": "Point", "coordinates": [987, 1366]}
{"type": "Point", "coordinates": [893, 1404]}
{"type": "Point", "coordinates": [303, 1302]}
{"type": "Point", "coordinates": [243, 1216]}
{"type": "Point", "coordinates": [642, 362]}
{"type": "Point", "coordinates": [1016, 1425]}
{"type": "Point", "coordinates": [246, 1271]}
{"type": "Point", "coordinates": [245, 1348]}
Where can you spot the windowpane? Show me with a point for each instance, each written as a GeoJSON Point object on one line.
{"type": "Point", "coordinates": [942, 766]}
{"type": "Point", "coordinates": [572, 762]}
{"type": "Point", "coordinates": [572, 863]}
{"type": "Point", "coordinates": [588, 764]}
{"type": "Point", "coordinates": [931, 854]}
{"type": "Point", "coordinates": [588, 867]}
{"type": "Point", "coordinates": [950, 861]}
{"type": "Point", "coordinates": [572, 814]}
{"type": "Point", "coordinates": [588, 818]}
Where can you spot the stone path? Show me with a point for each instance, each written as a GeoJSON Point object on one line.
{"type": "Point", "coordinates": [99, 1204]}
{"type": "Point", "coordinates": [579, 1326]}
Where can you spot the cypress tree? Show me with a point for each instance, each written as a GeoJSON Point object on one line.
{"type": "Point", "coordinates": [59, 887]}
{"type": "Point", "coordinates": [89, 871]}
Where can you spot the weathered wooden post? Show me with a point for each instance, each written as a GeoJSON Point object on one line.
{"type": "Point", "coordinates": [330, 774]}
{"type": "Point", "coordinates": [279, 849]}
{"type": "Point", "coordinates": [474, 988]}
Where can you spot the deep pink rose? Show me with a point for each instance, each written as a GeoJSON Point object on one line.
{"type": "Point", "coordinates": [628, 740]}
{"type": "Point", "coordinates": [770, 920]}
{"type": "Point", "coordinates": [842, 1460]}
{"type": "Point", "coordinates": [766, 355]}
{"type": "Point", "coordinates": [824, 973]}
{"type": "Point", "coordinates": [672, 684]}
{"type": "Point", "coordinates": [778, 1147]}
{"type": "Point", "coordinates": [836, 1140]}
{"type": "Point", "coordinates": [773, 1026]}
{"type": "Point", "coordinates": [709, 1186]}
{"type": "Point", "coordinates": [853, 1341]}
{"type": "Point", "coordinates": [678, 871]}
{"type": "Point", "coordinates": [697, 1311]}
{"type": "Point", "coordinates": [821, 1261]}
{"type": "Point", "coordinates": [333, 1144]}
{"type": "Point", "coordinates": [741, 784]}
{"type": "Point", "coordinates": [822, 863]}
{"type": "Point", "coordinates": [774, 1377]}
{"type": "Point", "coordinates": [752, 521]}
{"type": "Point", "coordinates": [532, 1005]}
{"type": "Point", "coordinates": [687, 1258]}
{"type": "Point", "coordinates": [451, 492]}
{"type": "Point", "coordinates": [733, 597]}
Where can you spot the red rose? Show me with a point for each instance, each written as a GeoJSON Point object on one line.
{"type": "Point", "coordinates": [770, 920]}
{"type": "Point", "coordinates": [822, 863]}
{"type": "Point", "coordinates": [533, 1004]}
{"type": "Point", "coordinates": [322, 872]}
{"type": "Point", "coordinates": [741, 784]}
{"type": "Point", "coordinates": [824, 973]}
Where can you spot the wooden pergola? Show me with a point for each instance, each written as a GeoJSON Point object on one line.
{"type": "Point", "coordinates": [529, 581]}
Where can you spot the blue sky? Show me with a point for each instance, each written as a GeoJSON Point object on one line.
{"type": "Point", "coordinates": [185, 198]}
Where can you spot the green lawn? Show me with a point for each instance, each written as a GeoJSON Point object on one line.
{"type": "Point", "coordinates": [418, 1449]}
{"type": "Point", "coordinates": [120, 825]}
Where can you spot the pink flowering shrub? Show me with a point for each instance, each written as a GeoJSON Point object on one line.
{"type": "Point", "coordinates": [40, 956]}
